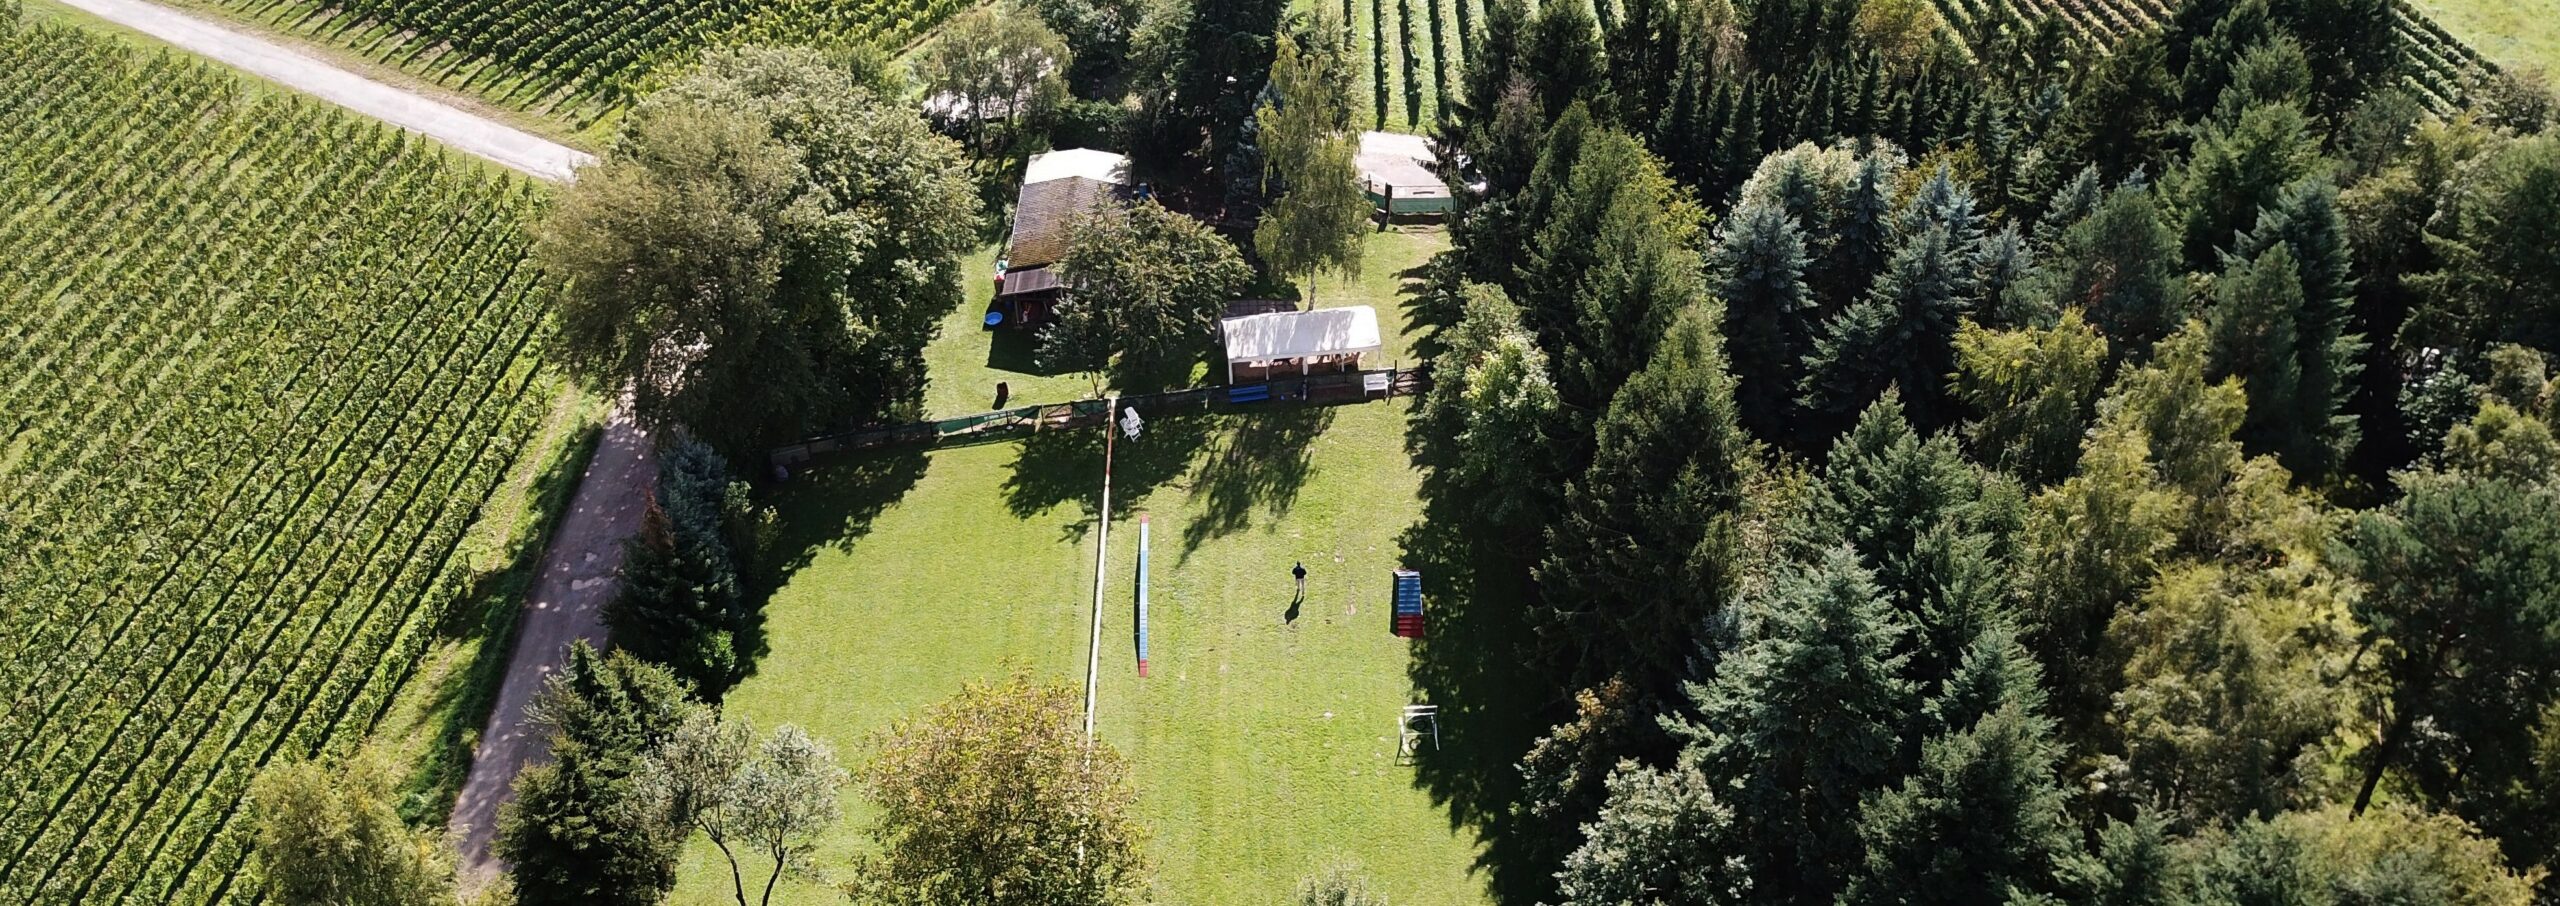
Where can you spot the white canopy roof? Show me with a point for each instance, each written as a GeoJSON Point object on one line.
{"type": "Point", "coordinates": [1299, 334]}
{"type": "Point", "coordinates": [1392, 160]}
{"type": "Point", "coordinates": [1102, 166]}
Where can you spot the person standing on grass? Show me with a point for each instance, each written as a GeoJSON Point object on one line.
{"type": "Point", "coordinates": [1300, 571]}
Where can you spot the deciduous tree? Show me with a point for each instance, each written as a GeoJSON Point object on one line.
{"type": "Point", "coordinates": [328, 835]}
{"type": "Point", "coordinates": [764, 251]}
{"type": "Point", "coordinates": [1145, 287]}
{"type": "Point", "coordinates": [995, 798]}
{"type": "Point", "coordinates": [994, 70]}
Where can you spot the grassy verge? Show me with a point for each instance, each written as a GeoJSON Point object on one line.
{"type": "Point", "coordinates": [434, 723]}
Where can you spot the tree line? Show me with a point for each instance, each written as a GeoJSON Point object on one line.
{"type": "Point", "coordinates": [1992, 473]}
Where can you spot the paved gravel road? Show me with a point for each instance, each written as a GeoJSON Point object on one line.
{"type": "Point", "coordinates": [566, 604]}
{"type": "Point", "coordinates": [511, 147]}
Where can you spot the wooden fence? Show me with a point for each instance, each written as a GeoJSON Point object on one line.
{"type": "Point", "coordinates": [1321, 389]}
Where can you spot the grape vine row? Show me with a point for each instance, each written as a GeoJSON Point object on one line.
{"type": "Point", "coordinates": [264, 362]}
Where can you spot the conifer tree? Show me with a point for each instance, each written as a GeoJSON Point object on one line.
{"type": "Point", "coordinates": [1981, 821]}
{"type": "Point", "coordinates": [1767, 313]}
{"type": "Point", "coordinates": [1801, 722]}
{"type": "Point", "coordinates": [1901, 334]}
{"type": "Point", "coordinates": [1864, 238]}
{"type": "Point", "coordinates": [1643, 552]}
{"type": "Point", "coordinates": [2251, 327]}
{"type": "Point", "coordinates": [2003, 266]}
{"type": "Point", "coordinates": [2239, 169]}
{"type": "Point", "coordinates": [2331, 347]}
{"type": "Point", "coordinates": [683, 602]}
{"type": "Point", "coordinates": [575, 833]}
{"type": "Point", "coordinates": [2121, 265]}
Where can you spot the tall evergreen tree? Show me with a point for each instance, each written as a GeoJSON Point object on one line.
{"type": "Point", "coordinates": [1864, 237]}
{"type": "Point", "coordinates": [574, 833]}
{"type": "Point", "coordinates": [1901, 334]}
{"type": "Point", "coordinates": [1611, 264]}
{"type": "Point", "coordinates": [683, 602]}
{"type": "Point", "coordinates": [2003, 266]}
{"type": "Point", "coordinates": [2239, 169]}
{"type": "Point", "coordinates": [2121, 265]}
{"type": "Point", "coordinates": [2331, 347]}
{"type": "Point", "coordinates": [1981, 821]}
{"type": "Point", "coordinates": [1645, 549]}
{"type": "Point", "coordinates": [1801, 722]}
{"type": "Point", "coordinates": [2252, 329]}
{"type": "Point", "coordinates": [1761, 260]}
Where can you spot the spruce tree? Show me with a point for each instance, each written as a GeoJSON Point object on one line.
{"type": "Point", "coordinates": [2329, 346]}
{"type": "Point", "coordinates": [2004, 265]}
{"type": "Point", "coordinates": [1761, 260]}
{"type": "Point", "coordinates": [1981, 821]}
{"type": "Point", "coordinates": [573, 834]}
{"type": "Point", "coordinates": [1901, 334]}
{"type": "Point", "coordinates": [2121, 265]}
{"type": "Point", "coordinates": [1801, 723]}
{"type": "Point", "coordinates": [683, 603]}
{"type": "Point", "coordinates": [2239, 169]}
{"type": "Point", "coordinates": [2251, 329]}
{"type": "Point", "coordinates": [1644, 551]}
{"type": "Point", "coordinates": [1863, 233]}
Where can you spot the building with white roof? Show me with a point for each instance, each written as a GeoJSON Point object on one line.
{"type": "Point", "coordinates": [1263, 346]}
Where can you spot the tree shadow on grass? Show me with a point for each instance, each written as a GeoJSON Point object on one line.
{"type": "Point", "coordinates": [1478, 660]}
{"type": "Point", "coordinates": [488, 611]}
{"type": "Point", "coordinates": [1260, 466]}
{"type": "Point", "coordinates": [1064, 465]}
{"type": "Point", "coordinates": [832, 506]}
{"type": "Point", "coordinates": [1469, 663]}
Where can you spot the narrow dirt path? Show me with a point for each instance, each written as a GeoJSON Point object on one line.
{"type": "Point", "coordinates": [566, 604]}
{"type": "Point", "coordinates": [510, 147]}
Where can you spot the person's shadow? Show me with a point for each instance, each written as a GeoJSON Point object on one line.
{"type": "Point", "coordinates": [1291, 617]}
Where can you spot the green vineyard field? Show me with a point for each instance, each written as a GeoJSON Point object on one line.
{"type": "Point", "coordinates": [1409, 54]}
{"type": "Point", "coordinates": [264, 364]}
{"type": "Point", "coordinates": [2440, 69]}
{"type": "Point", "coordinates": [578, 60]}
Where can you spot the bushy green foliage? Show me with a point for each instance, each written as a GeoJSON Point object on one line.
{"type": "Point", "coordinates": [763, 252]}
{"type": "Point", "coordinates": [1642, 554]}
{"type": "Point", "coordinates": [1802, 721]}
{"type": "Point", "coordinates": [2033, 389]}
{"type": "Point", "coordinates": [685, 601]}
{"type": "Point", "coordinates": [1146, 288]}
{"type": "Point", "coordinates": [995, 798]}
{"type": "Point", "coordinates": [329, 836]}
{"type": "Point", "coordinates": [578, 830]}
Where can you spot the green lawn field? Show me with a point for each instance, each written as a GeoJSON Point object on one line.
{"type": "Point", "coordinates": [1263, 743]}
{"type": "Point", "coordinates": [2508, 32]}
{"type": "Point", "coordinates": [1263, 746]}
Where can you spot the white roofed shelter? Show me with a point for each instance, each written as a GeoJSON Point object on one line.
{"type": "Point", "coordinates": [1264, 346]}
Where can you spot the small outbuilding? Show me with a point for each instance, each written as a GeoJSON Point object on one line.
{"type": "Point", "coordinates": [1398, 172]}
{"type": "Point", "coordinates": [1279, 344]}
{"type": "Point", "coordinates": [1057, 188]}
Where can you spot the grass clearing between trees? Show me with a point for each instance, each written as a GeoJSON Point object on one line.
{"type": "Point", "coordinates": [1262, 747]}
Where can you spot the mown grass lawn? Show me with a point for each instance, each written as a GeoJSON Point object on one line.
{"type": "Point", "coordinates": [2508, 32]}
{"type": "Point", "coordinates": [1263, 742]}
